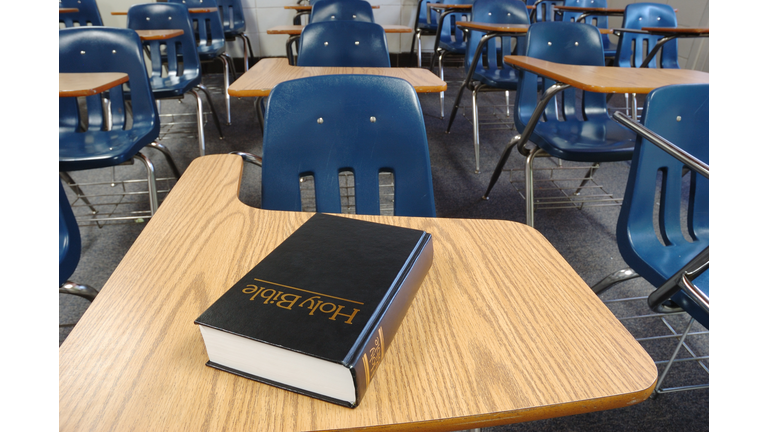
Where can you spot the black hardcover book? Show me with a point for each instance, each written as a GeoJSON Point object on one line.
{"type": "Point", "coordinates": [317, 314]}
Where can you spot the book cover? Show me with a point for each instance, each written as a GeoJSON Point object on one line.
{"type": "Point", "coordinates": [318, 313]}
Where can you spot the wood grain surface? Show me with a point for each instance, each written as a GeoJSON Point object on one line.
{"type": "Point", "coordinates": [502, 330]}
{"type": "Point", "coordinates": [87, 84]}
{"type": "Point", "coordinates": [159, 34]}
{"type": "Point", "coordinates": [267, 73]}
{"type": "Point", "coordinates": [603, 79]}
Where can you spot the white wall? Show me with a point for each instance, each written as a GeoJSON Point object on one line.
{"type": "Point", "coordinates": [260, 15]}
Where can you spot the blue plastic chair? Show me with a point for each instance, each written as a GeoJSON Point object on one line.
{"type": "Point", "coordinates": [107, 137]}
{"type": "Point", "coordinates": [330, 10]}
{"type": "Point", "coordinates": [87, 14]}
{"type": "Point", "coordinates": [630, 51]}
{"type": "Point", "coordinates": [366, 124]}
{"type": "Point", "coordinates": [451, 40]}
{"type": "Point", "coordinates": [211, 42]}
{"type": "Point", "coordinates": [574, 128]}
{"type": "Point", "coordinates": [599, 21]}
{"type": "Point", "coordinates": [177, 55]}
{"type": "Point", "coordinates": [233, 21]}
{"type": "Point", "coordinates": [649, 233]}
{"type": "Point", "coordinates": [488, 73]}
{"type": "Point", "coordinates": [69, 250]}
{"type": "Point", "coordinates": [544, 10]}
{"type": "Point", "coordinates": [343, 43]}
{"type": "Point", "coordinates": [423, 28]}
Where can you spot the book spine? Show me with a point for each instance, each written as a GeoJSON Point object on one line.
{"type": "Point", "coordinates": [383, 333]}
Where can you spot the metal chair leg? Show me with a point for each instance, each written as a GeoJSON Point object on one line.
{"type": "Point", "coordinates": [81, 290]}
{"type": "Point", "coordinates": [167, 153]}
{"type": "Point", "coordinates": [529, 185]}
{"type": "Point", "coordinates": [76, 189]}
{"type": "Point", "coordinates": [200, 128]}
{"type": "Point", "coordinates": [213, 111]}
{"type": "Point", "coordinates": [476, 127]}
{"type": "Point", "coordinates": [225, 60]}
{"type": "Point", "coordinates": [151, 182]}
{"type": "Point", "coordinates": [614, 278]}
{"type": "Point", "coordinates": [442, 77]}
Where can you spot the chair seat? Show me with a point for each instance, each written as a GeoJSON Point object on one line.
{"type": "Point", "coordinates": [173, 86]}
{"type": "Point", "coordinates": [99, 149]}
{"type": "Point", "coordinates": [505, 79]}
{"type": "Point", "coordinates": [599, 140]}
{"type": "Point", "coordinates": [454, 48]}
{"type": "Point", "coordinates": [210, 52]}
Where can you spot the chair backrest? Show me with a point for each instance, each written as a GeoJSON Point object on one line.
{"type": "Point", "coordinates": [69, 238]}
{"type": "Point", "coordinates": [207, 27]}
{"type": "Point", "coordinates": [423, 12]}
{"type": "Point", "coordinates": [232, 17]}
{"type": "Point", "coordinates": [87, 14]}
{"type": "Point", "coordinates": [336, 10]}
{"type": "Point", "coordinates": [365, 124]}
{"type": "Point", "coordinates": [634, 47]}
{"type": "Point", "coordinates": [496, 11]}
{"type": "Point", "coordinates": [599, 21]}
{"type": "Point", "coordinates": [659, 191]}
{"type": "Point", "coordinates": [452, 38]}
{"type": "Point", "coordinates": [545, 10]}
{"type": "Point", "coordinates": [178, 56]}
{"type": "Point", "coordinates": [108, 49]}
{"type": "Point", "coordinates": [343, 43]}
{"type": "Point", "coordinates": [560, 42]}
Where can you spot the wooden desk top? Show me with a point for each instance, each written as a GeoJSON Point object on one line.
{"type": "Point", "coordinates": [505, 28]}
{"type": "Point", "coordinates": [594, 10]}
{"type": "Point", "coordinates": [502, 330]}
{"type": "Point", "coordinates": [68, 10]}
{"type": "Point", "coordinates": [268, 72]}
{"type": "Point", "coordinates": [448, 6]}
{"type": "Point", "coordinates": [677, 30]}
{"type": "Point", "coordinates": [296, 29]}
{"type": "Point", "coordinates": [87, 84]}
{"type": "Point", "coordinates": [603, 79]}
{"type": "Point", "coordinates": [159, 34]}
{"type": "Point", "coordinates": [191, 10]}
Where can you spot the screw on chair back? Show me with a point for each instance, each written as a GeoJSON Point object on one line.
{"type": "Point", "coordinates": [576, 127]}
{"type": "Point", "coordinates": [87, 14]}
{"type": "Point", "coordinates": [343, 43]}
{"type": "Point", "coordinates": [69, 238]}
{"type": "Point", "coordinates": [634, 47]}
{"type": "Point", "coordinates": [365, 124]}
{"type": "Point", "coordinates": [661, 192]}
{"type": "Point", "coordinates": [86, 143]}
{"type": "Point", "coordinates": [599, 21]}
{"type": "Point", "coordinates": [207, 27]}
{"type": "Point", "coordinates": [336, 10]}
{"type": "Point", "coordinates": [175, 65]}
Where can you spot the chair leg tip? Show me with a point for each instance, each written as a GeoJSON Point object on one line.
{"type": "Point", "coordinates": [484, 198]}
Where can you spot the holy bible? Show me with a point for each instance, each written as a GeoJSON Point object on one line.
{"type": "Point", "coordinates": [317, 314]}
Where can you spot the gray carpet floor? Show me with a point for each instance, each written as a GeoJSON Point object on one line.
{"type": "Point", "coordinates": [585, 237]}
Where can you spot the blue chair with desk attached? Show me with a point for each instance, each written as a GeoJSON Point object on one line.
{"type": "Point", "coordinates": [343, 43]}
{"type": "Point", "coordinates": [233, 22]}
{"type": "Point", "coordinates": [633, 48]}
{"type": "Point", "coordinates": [69, 251]}
{"type": "Point", "coordinates": [663, 190]}
{"type": "Point", "coordinates": [116, 127]}
{"type": "Point", "coordinates": [599, 21]}
{"type": "Point", "coordinates": [544, 10]}
{"type": "Point", "coordinates": [451, 40]}
{"type": "Point", "coordinates": [577, 126]}
{"type": "Point", "coordinates": [175, 63]}
{"type": "Point", "coordinates": [336, 10]}
{"type": "Point", "coordinates": [367, 127]}
{"type": "Point", "coordinates": [211, 41]}
{"type": "Point", "coordinates": [87, 13]}
{"type": "Point", "coordinates": [490, 73]}
{"type": "Point", "coordinates": [425, 24]}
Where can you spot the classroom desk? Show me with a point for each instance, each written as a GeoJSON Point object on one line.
{"type": "Point", "coordinates": [162, 34]}
{"type": "Point", "coordinates": [68, 10]}
{"type": "Point", "coordinates": [600, 79]}
{"type": "Point", "coordinates": [88, 84]}
{"type": "Point", "coordinates": [502, 330]}
{"type": "Point", "coordinates": [268, 72]}
{"type": "Point", "coordinates": [446, 9]}
{"type": "Point", "coordinates": [294, 32]}
{"type": "Point", "coordinates": [667, 34]}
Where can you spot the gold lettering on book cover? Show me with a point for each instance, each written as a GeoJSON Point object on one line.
{"type": "Point", "coordinates": [376, 353]}
{"type": "Point", "coordinates": [316, 304]}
